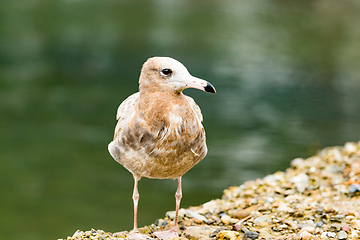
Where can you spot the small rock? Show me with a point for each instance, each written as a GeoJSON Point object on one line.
{"type": "Point", "coordinates": [300, 178]}
{"type": "Point", "coordinates": [283, 226]}
{"type": "Point", "coordinates": [350, 147]}
{"type": "Point", "coordinates": [319, 210]}
{"type": "Point", "coordinates": [309, 229]}
{"type": "Point", "coordinates": [78, 233]}
{"type": "Point", "coordinates": [87, 234]}
{"type": "Point", "coordinates": [226, 219]}
{"type": "Point", "coordinates": [301, 182]}
{"type": "Point", "coordinates": [310, 223]}
{"type": "Point", "coordinates": [355, 224]}
{"type": "Point", "coordinates": [331, 234]}
{"type": "Point", "coordinates": [198, 232]}
{"type": "Point", "coordinates": [161, 223]}
{"type": "Point", "coordinates": [353, 188]}
{"type": "Point", "coordinates": [335, 227]}
{"type": "Point", "coordinates": [270, 180]}
{"type": "Point", "coordinates": [228, 235]}
{"type": "Point", "coordinates": [312, 169]}
{"type": "Point", "coordinates": [196, 215]}
{"type": "Point", "coordinates": [323, 235]}
{"type": "Point", "coordinates": [355, 234]}
{"type": "Point", "coordinates": [250, 235]}
{"type": "Point", "coordinates": [319, 224]}
{"type": "Point", "coordinates": [120, 234]}
{"type": "Point", "coordinates": [170, 214]}
{"type": "Point", "coordinates": [289, 192]}
{"type": "Point", "coordinates": [243, 213]}
{"type": "Point", "coordinates": [182, 212]}
{"type": "Point", "coordinates": [297, 162]}
{"type": "Point", "coordinates": [283, 207]}
{"type": "Point", "coordinates": [342, 235]}
{"type": "Point", "coordinates": [305, 235]}
{"type": "Point", "coordinates": [254, 201]}
{"type": "Point", "coordinates": [263, 219]}
{"type": "Point", "coordinates": [346, 228]}
{"type": "Point", "coordinates": [335, 219]}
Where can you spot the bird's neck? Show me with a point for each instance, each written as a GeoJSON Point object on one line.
{"type": "Point", "coordinates": [158, 105]}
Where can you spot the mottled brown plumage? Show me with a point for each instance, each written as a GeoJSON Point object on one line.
{"type": "Point", "coordinates": [159, 133]}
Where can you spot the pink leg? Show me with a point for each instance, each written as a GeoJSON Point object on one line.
{"type": "Point", "coordinates": [178, 196]}
{"type": "Point", "coordinates": [134, 234]}
{"type": "Point", "coordinates": [174, 231]}
{"type": "Point", "coordinates": [136, 198]}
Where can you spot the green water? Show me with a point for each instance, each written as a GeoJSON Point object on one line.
{"type": "Point", "coordinates": [287, 76]}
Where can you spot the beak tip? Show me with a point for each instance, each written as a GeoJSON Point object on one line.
{"type": "Point", "coordinates": [210, 88]}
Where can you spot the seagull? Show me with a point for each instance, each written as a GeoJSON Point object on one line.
{"type": "Point", "coordinates": [159, 133]}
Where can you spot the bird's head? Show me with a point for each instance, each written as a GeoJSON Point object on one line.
{"type": "Point", "coordinates": [165, 73]}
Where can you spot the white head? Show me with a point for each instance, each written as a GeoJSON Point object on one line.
{"type": "Point", "coordinates": [165, 73]}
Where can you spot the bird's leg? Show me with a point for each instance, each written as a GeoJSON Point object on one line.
{"type": "Point", "coordinates": [135, 198]}
{"type": "Point", "coordinates": [174, 231]}
{"type": "Point", "coordinates": [178, 196]}
{"type": "Point", "coordinates": [134, 234]}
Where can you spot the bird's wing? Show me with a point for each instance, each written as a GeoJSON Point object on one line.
{"type": "Point", "coordinates": [127, 105]}
{"type": "Point", "coordinates": [125, 110]}
{"type": "Point", "coordinates": [195, 108]}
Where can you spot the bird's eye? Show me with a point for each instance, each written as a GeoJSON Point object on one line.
{"type": "Point", "coordinates": [166, 71]}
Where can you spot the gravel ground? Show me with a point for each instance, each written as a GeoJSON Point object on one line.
{"type": "Point", "coordinates": [316, 198]}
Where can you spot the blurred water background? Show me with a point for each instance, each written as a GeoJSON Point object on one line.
{"type": "Point", "coordinates": [287, 75]}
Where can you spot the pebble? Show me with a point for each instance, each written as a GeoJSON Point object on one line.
{"type": "Point", "coordinates": [254, 201]}
{"type": "Point", "coordinates": [305, 235]}
{"type": "Point", "coordinates": [196, 215]}
{"type": "Point", "coordinates": [308, 229]}
{"type": "Point", "coordinates": [78, 233]}
{"type": "Point", "coordinates": [250, 235]}
{"type": "Point", "coordinates": [319, 224]}
{"type": "Point", "coordinates": [351, 147]}
{"type": "Point", "coordinates": [226, 219]}
{"type": "Point", "coordinates": [323, 235]}
{"type": "Point", "coordinates": [346, 228]}
{"type": "Point", "coordinates": [171, 214]}
{"type": "Point", "coordinates": [198, 232]}
{"type": "Point", "coordinates": [353, 188]}
{"type": "Point", "coordinates": [355, 234]}
{"type": "Point", "coordinates": [335, 227]}
{"type": "Point", "coordinates": [161, 223]}
{"type": "Point", "coordinates": [263, 219]}
{"type": "Point", "coordinates": [342, 235]}
{"type": "Point", "coordinates": [331, 234]}
{"type": "Point", "coordinates": [297, 162]}
{"type": "Point", "coordinates": [355, 224]}
{"type": "Point", "coordinates": [228, 235]}
{"type": "Point", "coordinates": [283, 207]}
{"type": "Point", "coordinates": [300, 178]}
{"type": "Point", "coordinates": [340, 216]}
{"type": "Point", "coordinates": [240, 214]}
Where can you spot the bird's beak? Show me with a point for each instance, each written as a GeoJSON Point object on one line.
{"type": "Point", "coordinates": [198, 83]}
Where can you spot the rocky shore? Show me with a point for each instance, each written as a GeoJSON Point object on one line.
{"type": "Point", "coordinates": [316, 198]}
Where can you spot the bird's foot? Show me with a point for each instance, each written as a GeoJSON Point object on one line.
{"type": "Point", "coordinates": [137, 235]}
{"type": "Point", "coordinates": [167, 235]}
